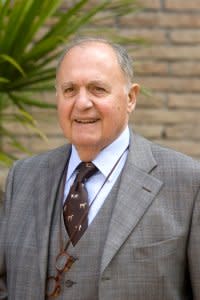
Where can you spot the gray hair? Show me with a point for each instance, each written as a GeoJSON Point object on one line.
{"type": "Point", "coordinates": [124, 60]}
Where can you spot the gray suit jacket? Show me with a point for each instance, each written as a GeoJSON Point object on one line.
{"type": "Point", "coordinates": [152, 250]}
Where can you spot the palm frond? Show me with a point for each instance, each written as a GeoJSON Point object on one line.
{"type": "Point", "coordinates": [6, 160]}
{"type": "Point", "coordinates": [13, 62]}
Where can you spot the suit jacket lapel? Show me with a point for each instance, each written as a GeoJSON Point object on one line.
{"type": "Point", "coordinates": [137, 190]}
{"type": "Point", "coordinates": [51, 172]}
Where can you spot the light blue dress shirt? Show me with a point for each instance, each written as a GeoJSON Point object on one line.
{"type": "Point", "coordinates": [104, 161]}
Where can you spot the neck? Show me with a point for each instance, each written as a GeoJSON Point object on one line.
{"type": "Point", "coordinates": [87, 153]}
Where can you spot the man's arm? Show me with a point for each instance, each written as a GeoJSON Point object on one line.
{"type": "Point", "coordinates": [194, 249]}
{"type": "Point", "coordinates": [3, 289]}
{"type": "Point", "coordinates": [4, 210]}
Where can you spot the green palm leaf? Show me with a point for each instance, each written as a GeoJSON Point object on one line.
{"type": "Point", "coordinates": [13, 62]}
{"type": "Point", "coordinates": [4, 80]}
{"type": "Point", "coordinates": [6, 160]}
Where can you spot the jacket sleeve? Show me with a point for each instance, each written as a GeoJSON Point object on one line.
{"type": "Point", "coordinates": [3, 289]}
{"type": "Point", "coordinates": [194, 249]}
{"type": "Point", "coordinates": [4, 213]}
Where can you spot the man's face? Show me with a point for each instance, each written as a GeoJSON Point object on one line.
{"type": "Point", "coordinates": [92, 97]}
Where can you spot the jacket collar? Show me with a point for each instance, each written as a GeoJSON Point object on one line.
{"type": "Point", "coordinates": [137, 190]}
{"type": "Point", "coordinates": [51, 171]}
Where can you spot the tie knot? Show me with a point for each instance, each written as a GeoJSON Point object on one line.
{"type": "Point", "coordinates": [85, 171]}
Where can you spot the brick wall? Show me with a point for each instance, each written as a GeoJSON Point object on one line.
{"type": "Point", "coordinates": [169, 66]}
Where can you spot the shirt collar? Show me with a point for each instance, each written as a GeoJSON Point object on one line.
{"type": "Point", "coordinates": [106, 159]}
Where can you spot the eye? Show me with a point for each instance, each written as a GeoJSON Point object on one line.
{"type": "Point", "coordinates": [69, 91]}
{"type": "Point", "coordinates": [99, 90]}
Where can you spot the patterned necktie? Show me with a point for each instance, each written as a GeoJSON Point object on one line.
{"type": "Point", "coordinates": [76, 205]}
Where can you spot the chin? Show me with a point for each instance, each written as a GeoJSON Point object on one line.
{"type": "Point", "coordinates": [85, 140]}
{"type": "Point", "coordinates": [86, 143]}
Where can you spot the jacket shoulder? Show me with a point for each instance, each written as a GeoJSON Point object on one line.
{"type": "Point", "coordinates": [42, 159]}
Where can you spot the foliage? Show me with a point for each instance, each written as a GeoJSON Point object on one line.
{"type": "Point", "coordinates": [31, 35]}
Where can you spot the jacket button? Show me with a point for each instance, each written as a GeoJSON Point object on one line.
{"type": "Point", "coordinates": [69, 283]}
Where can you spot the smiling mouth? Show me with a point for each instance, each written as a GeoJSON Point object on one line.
{"type": "Point", "coordinates": [86, 121]}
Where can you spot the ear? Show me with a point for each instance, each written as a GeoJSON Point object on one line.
{"type": "Point", "coordinates": [133, 92]}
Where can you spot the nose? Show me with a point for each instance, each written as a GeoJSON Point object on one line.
{"type": "Point", "coordinates": [83, 100]}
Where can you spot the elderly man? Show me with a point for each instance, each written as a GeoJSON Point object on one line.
{"type": "Point", "coordinates": [110, 215]}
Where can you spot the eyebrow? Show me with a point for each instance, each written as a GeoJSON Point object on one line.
{"type": "Point", "coordinates": [93, 82]}
{"type": "Point", "coordinates": [67, 83]}
{"type": "Point", "coordinates": [97, 81]}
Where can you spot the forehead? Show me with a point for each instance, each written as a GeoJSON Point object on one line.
{"type": "Point", "coordinates": [91, 60]}
{"type": "Point", "coordinates": [90, 53]}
